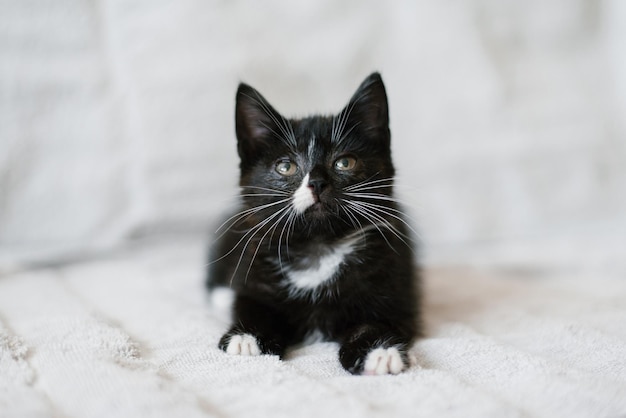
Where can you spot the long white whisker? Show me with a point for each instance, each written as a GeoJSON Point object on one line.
{"type": "Point", "coordinates": [372, 212]}
{"type": "Point", "coordinates": [261, 195]}
{"type": "Point", "coordinates": [244, 213]}
{"type": "Point", "coordinates": [380, 186]}
{"type": "Point", "coordinates": [348, 214]}
{"type": "Point", "coordinates": [280, 239]}
{"type": "Point", "coordinates": [285, 127]}
{"type": "Point", "coordinates": [282, 192]}
{"type": "Point", "coordinates": [368, 180]}
{"type": "Point", "coordinates": [387, 211]}
{"type": "Point", "coordinates": [353, 219]}
{"type": "Point", "coordinates": [367, 183]}
{"type": "Point", "coordinates": [395, 186]}
{"type": "Point", "coordinates": [255, 229]}
{"type": "Point", "coordinates": [252, 231]}
{"type": "Point", "coordinates": [348, 131]}
{"type": "Point", "coordinates": [344, 115]}
{"type": "Point", "coordinates": [290, 230]}
{"type": "Point", "coordinates": [293, 134]}
{"type": "Point", "coordinates": [341, 121]}
{"type": "Point", "coordinates": [361, 212]}
{"type": "Point", "coordinates": [286, 135]}
{"type": "Point", "coordinates": [375, 196]}
{"type": "Point", "coordinates": [288, 142]}
{"type": "Point", "coordinates": [378, 196]}
{"type": "Point", "coordinates": [383, 186]}
{"type": "Point", "coordinates": [271, 228]}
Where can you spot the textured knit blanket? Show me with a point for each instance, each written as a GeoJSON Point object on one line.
{"type": "Point", "coordinates": [132, 335]}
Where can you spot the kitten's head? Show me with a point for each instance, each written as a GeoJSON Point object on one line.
{"type": "Point", "coordinates": [314, 171]}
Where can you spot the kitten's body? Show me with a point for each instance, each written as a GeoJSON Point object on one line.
{"type": "Point", "coordinates": [318, 244]}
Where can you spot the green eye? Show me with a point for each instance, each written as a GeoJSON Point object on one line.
{"type": "Point", "coordinates": [286, 168]}
{"type": "Point", "coordinates": [345, 163]}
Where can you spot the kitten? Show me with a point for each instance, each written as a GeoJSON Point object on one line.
{"type": "Point", "coordinates": [318, 244]}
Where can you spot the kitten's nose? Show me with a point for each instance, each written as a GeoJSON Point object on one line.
{"type": "Point", "coordinates": [317, 185]}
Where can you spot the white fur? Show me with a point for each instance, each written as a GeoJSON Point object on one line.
{"type": "Point", "coordinates": [303, 196]}
{"type": "Point", "coordinates": [327, 267]}
{"type": "Point", "coordinates": [243, 345]}
{"type": "Point", "coordinates": [383, 361]}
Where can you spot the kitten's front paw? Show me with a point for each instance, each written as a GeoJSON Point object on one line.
{"type": "Point", "coordinates": [373, 359]}
{"type": "Point", "coordinates": [383, 361]}
{"type": "Point", "coordinates": [241, 345]}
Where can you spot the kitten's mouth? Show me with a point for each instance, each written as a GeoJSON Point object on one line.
{"type": "Point", "coordinates": [317, 208]}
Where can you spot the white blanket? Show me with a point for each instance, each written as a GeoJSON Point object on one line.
{"type": "Point", "coordinates": [132, 335]}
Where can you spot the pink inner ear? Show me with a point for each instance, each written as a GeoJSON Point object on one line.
{"type": "Point", "coordinates": [256, 121]}
{"type": "Point", "coordinates": [258, 131]}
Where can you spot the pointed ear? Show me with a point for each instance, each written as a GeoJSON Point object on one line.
{"type": "Point", "coordinates": [368, 108]}
{"type": "Point", "coordinates": [254, 122]}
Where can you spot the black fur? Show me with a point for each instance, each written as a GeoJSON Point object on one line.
{"type": "Point", "coordinates": [372, 299]}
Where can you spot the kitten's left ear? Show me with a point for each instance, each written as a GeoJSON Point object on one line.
{"type": "Point", "coordinates": [368, 107]}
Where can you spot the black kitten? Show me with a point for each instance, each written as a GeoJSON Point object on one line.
{"type": "Point", "coordinates": [318, 244]}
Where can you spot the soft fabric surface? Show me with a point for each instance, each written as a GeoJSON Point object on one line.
{"type": "Point", "coordinates": [132, 335]}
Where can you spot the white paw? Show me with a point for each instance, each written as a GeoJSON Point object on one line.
{"type": "Point", "coordinates": [243, 345]}
{"type": "Point", "coordinates": [383, 361]}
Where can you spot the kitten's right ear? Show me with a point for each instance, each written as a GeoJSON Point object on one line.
{"type": "Point", "coordinates": [254, 122]}
{"type": "Point", "coordinates": [368, 106]}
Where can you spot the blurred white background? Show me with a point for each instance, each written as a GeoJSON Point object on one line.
{"type": "Point", "coordinates": [117, 117]}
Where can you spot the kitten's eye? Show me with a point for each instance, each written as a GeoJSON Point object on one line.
{"type": "Point", "coordinates": [345, 163]}
{"type": "Point", "coordinates": [286, 168]}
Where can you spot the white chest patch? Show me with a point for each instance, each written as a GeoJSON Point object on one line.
{"type": "Point", "coordinates": [325, 269]}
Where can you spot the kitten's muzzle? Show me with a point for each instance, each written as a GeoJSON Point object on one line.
{"type": "Point", "coordinates": [317, 186]}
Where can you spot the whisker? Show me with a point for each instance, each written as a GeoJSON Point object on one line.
{"type": "Point", "coordinates": [256, 229]}
{"type": "Point", "coordinates": [252, 231]}
{"type": "Point", "coordinates": [349, 215]}
{"type": "Point", "coordinates": [354, 220]}
{"type": "Point", "coordinates": [261, 195]}
{"type": "Point", "coordinates": [282, 192]}
{"type": "Point", "coordinates": [288, 142]}
{"type": "Point", "coordinates": [244, 213]}
{"type": "Point", "coordinates": [380, 186]}
{"type": "Point", "coordinates": [375, 224]}
{"type": "Point", "coordinates": [280, 239]}
{"type": "Point", "coordinates": [345, 134]}
{"type": "Point", "coordinates": [375, 196]}
{"type": "Point", "coordinates": [293, 134]}
{"type": "Point", "coordinates": [368, 182]}
{"type": "Point", "coordinates": [372, 212]}
{"type": "Point", "coordinates": [387, 211]}
{"type": "Point", "coordinates": [384, 186]}
{"type": "Point", "coordinates": [341, 122]}
{"type": "Point", "coordinates": [284, 127]}
{"type": "Point", "coordinates": [272, 229]}
{"type": "Point", "coordinates": [378, 196]}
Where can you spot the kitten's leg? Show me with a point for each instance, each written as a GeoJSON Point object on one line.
{"type": "Point", "coordinates": [257, 329]}
{"type": "Point", "coordinates": [374, 349]}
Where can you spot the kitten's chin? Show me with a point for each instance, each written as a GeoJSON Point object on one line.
{"type": "Point", "coordinates": [323, 221]}
{"type": "Point", "coordinates": [317, 209]}
{"type": "Point", "coordinates": [317, 212]}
